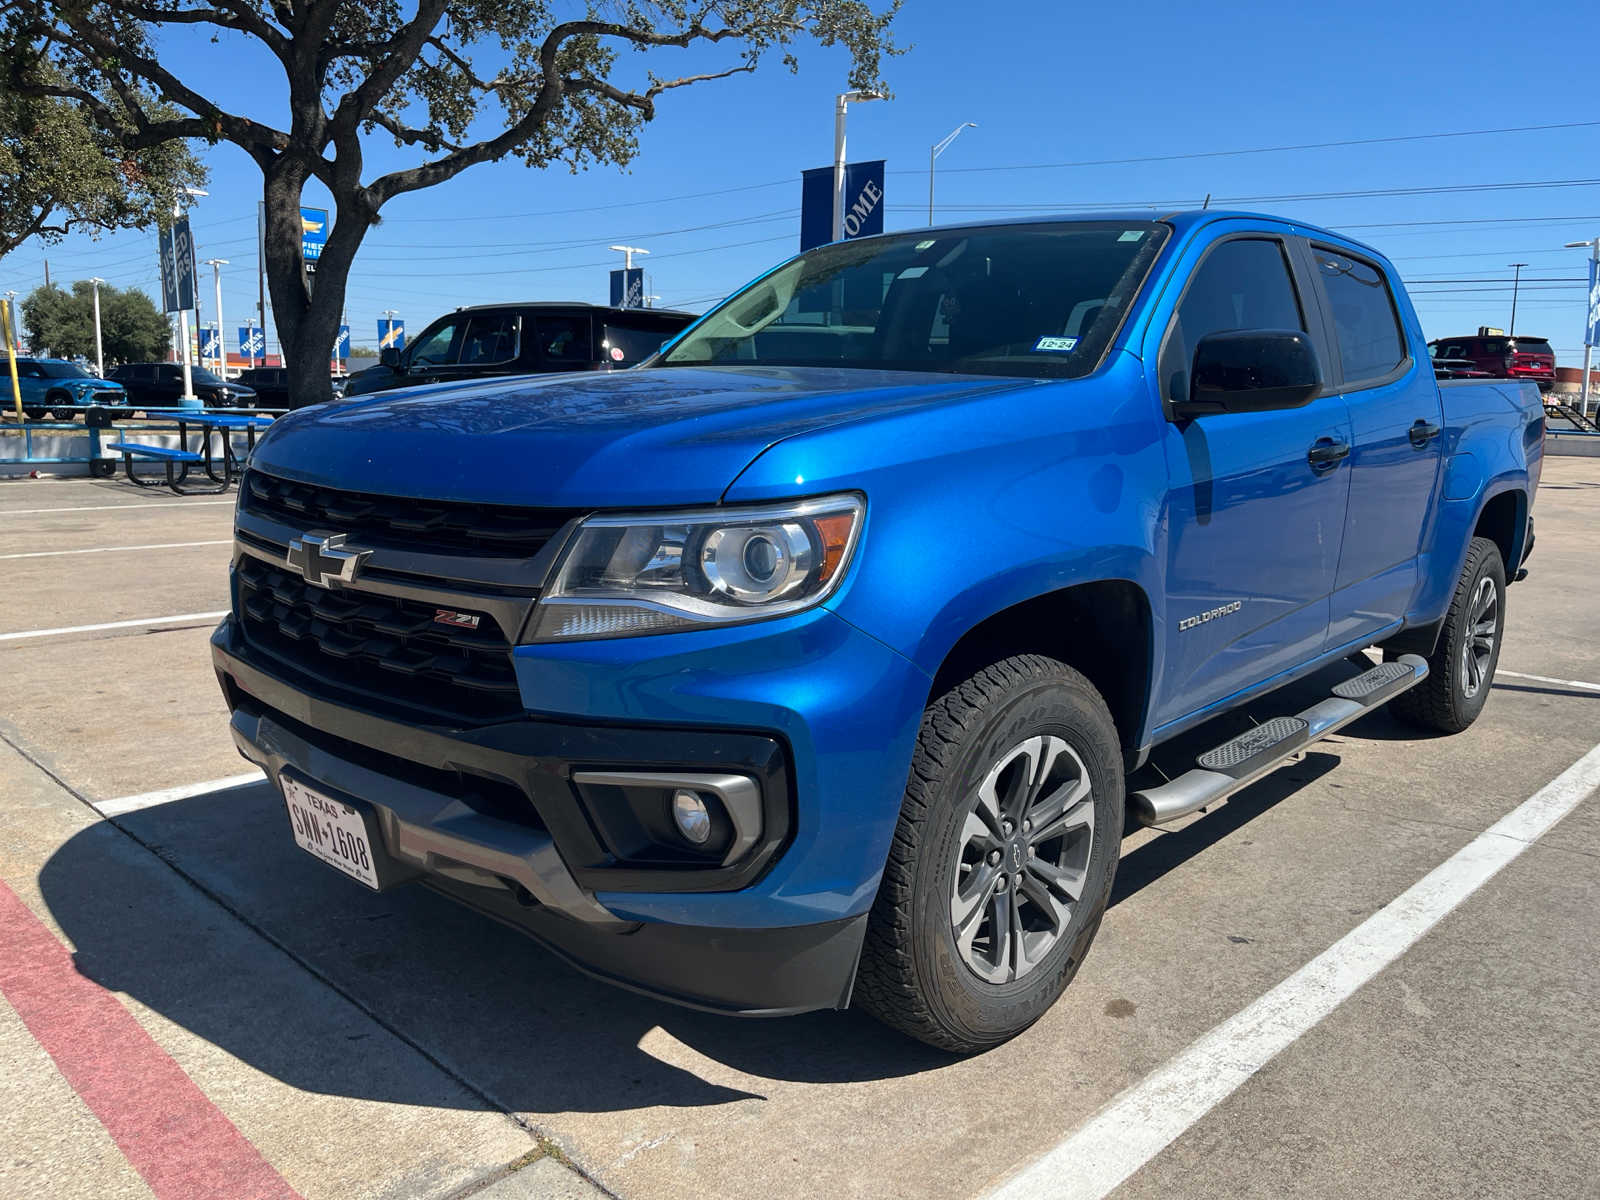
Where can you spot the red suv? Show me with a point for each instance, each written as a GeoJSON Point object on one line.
{"type": "Point", "coordinates": [1502, 357]}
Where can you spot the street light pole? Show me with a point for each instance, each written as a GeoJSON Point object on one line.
{"type": "Point", "coordinates": [99, 356]}
{"type": "Point", "coordinates": [840, 104]}
{"type": "Point", "coordinates": [183, 313]}
{"type": "Point", "coordinates": [1516, 282]}
{"type": "Point", "coordinates": [1590, 317]}
{"type": "Point", "coordinates": [216, 265]}
{"type": "Point", "coordinates": [16, 328]}
{"type": "Point", "coordinates": [937, 149]}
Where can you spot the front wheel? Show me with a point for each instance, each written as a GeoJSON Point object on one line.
{"type": "Point", "coordinates": [1002, 862]}
{"type": "Point", "coordinates": [1462, 665]}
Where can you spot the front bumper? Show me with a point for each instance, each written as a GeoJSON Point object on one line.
{"type": "Point", "coordinates": [784, 940]}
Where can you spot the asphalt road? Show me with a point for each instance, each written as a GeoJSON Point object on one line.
{"type": "Point", "coordinates": [293, 1034]}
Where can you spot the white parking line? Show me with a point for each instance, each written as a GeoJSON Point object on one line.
{"type": "Point", "coordinates": [1136, 1126]}
{"type": "Point", "coordinates": [1571, 683]}
{"type": "Point", "coordinates": [127, 804]}
{"type": "Point", "coordinates": [114, 549]}
{"type": "Point", "coordinates": [134, 505]}
{"type": "Point", "coordinates": [133, 624]}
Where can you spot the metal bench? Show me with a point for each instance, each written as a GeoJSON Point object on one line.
{"type": "Point", "coordinates": [182, 459]}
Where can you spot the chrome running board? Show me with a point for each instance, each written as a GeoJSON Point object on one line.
{"type": "Point", "coordinates": [1241, 761]}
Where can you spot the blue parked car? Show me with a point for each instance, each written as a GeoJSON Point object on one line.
{"type": "Point", "coordinates": [819, 659]}
{"type": "Point", "coordinates": [55, 387]}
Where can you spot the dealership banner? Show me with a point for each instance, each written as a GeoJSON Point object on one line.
{"type": "Point", "coordinates": [391, 334]}
{"type": "Point", "coordinates": [252, 341]}
{"type": "Point", "coordinates": [627, 287]}
{"type": "Point", "coordinates": [1592, 326]}
{"type": "Point", "coordinates": [210, 342]}
{"type": "Point", "coordinates": [313, 233]}
{"type": "Point", "coordinates": [863, 203]}
{"type": "Point", "coordinates": [341, 348]}
{"type": "Point", "coordinates": [177, 267]}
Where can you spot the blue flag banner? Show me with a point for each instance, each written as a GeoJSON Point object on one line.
{"type": "Point", "coordinates": [313, 233]}
{"type": "Point", "coordinates": [341, 348]}
{"type": "Point", "coordinates": [391, 334]}
{"type": "Point", "coordinates": [1592, 325]}
{"type": "Point", "coordinates": [210, 342]}
{"type": "Point", "coordinates": [627, 288]}
{"type": "Point", "coordinates": [177, 267]}
{"type": "Point", "coordinates": [252, 341]}
{"type": "Point", "coordinates": [863, 203]}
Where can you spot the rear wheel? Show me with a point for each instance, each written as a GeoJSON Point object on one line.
{"type": "Point", "coordinates": [1461, 668]}
{"type": "Point", "coordinates": [1002, 862]}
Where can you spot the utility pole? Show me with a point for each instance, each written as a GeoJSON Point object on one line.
{"type": "Point", "coordinates": [216, 265]}
{"type": "Point", "coordinates": [841, 103]}
{"type": "Point", "coordinates": [1591, 315]}
{"type": "Point", "coordinates": [937, 149]}
{"type": "Point", "coordinates": [261, 275]}
{"type": "Point", "coordinates": [99, 355]}
{"type": "Point", "coordinates": [1516, 282]}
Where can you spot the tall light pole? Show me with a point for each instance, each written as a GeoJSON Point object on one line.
{"type": "Point", "coordinates": [1591, 314]}
{"type": "Point", "coordinates": [937, 149]}
{"type": "Point", "coordinates": [840, 104]}
{"type": "Point", "coordinates": [1516, 283]}
{"type": "Point", "coordinates": [16, 327]}
{"type": "Point", "coordinates": [99, 356]}
{"type": "Point", "coordinates": [216, 265]}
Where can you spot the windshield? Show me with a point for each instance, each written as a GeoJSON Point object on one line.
{"type": "Point", "coordinates": [1032, 300]}
{"type": "Point", "coordinates": [201, 375]}
{"type": "Point", "coordinates": [64, 370]}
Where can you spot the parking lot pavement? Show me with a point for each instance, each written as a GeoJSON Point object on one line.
{"type": "Point", "coordinates": [1467, 1066]}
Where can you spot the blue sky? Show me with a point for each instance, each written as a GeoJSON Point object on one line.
{"type": "Point", "coordinates": [715, 190]}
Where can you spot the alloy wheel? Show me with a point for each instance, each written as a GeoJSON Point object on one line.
{"type": "Point", "coordinates": [1477, 652]}
{"type": "Point", "coordinates": [1023, 859]}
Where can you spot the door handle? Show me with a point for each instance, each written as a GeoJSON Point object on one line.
{"type": "Point", "coordinates": [1325, 454]}
{"type": "Point", "coordinates": [1423, 431]}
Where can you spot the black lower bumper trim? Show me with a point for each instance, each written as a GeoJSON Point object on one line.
{"type": "Point", "coordinates": [737, 972]}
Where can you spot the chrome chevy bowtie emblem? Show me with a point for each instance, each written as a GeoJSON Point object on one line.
{"type": "Point", "coordinates": [322, 559]}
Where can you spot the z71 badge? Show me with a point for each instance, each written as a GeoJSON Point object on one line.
{"type": "Point", "coordinates": [461, 620]}
{"type": "Point", "coordinates": [1212, 614]}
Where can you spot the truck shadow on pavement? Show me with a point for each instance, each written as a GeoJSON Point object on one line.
{"type": "Point", "coordinates": [494, 1009]}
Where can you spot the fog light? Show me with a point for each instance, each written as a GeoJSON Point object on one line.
{"type": "Point", "coordinates": [692, 816]}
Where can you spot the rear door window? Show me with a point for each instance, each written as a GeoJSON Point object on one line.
{"type": "Point", "coordinates": [563, 340]}
{"type": "Point", "coordinates": [627, 342]}
{"type": "Point", "coordinates": [1371, 344]}
{"type": "Point", "coordinates": [491, 339]}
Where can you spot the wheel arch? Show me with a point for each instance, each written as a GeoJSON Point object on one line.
{"type": "Point", "coordinates": [1103, 629]}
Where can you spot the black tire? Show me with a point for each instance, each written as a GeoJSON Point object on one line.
{"type": "Point", "coordinates": [913, 975]}
{"type": "Point", "coordinates": [35, 414]}
{"type": "Point", "coordinates": [1455, 691]}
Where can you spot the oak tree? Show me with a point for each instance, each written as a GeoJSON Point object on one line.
{"type": "Point", "coordinates": [454, 83]}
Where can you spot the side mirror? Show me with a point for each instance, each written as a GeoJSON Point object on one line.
{"type": "Point", "coordinates": [1251, 370]}
{"type": "Point", "coordinates": [390, 357]}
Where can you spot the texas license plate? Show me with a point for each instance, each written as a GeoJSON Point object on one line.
{"type": "Point", "coordinates": [330, 829]}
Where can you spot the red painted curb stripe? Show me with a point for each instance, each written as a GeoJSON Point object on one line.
{"type": "Point", "coordinates": [181, 1143]}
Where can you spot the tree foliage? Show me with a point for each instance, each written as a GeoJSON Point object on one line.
{"type": "Point", "coordinates": [61, 171]}
{"type": "Point", "coordinates": [453, 82]}
{"type": "Point", "coordinates": [62, 323]}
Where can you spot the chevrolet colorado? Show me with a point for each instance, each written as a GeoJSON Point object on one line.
{"type": "Point", "coordinates": [808, 662]}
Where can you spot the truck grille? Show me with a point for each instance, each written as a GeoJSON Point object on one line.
{"type": "Point", "coordinates": [387, 648]}
{"type": "Point", "coordinates": [436, 526]}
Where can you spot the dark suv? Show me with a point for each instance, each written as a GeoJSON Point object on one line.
{"type": "Point", "coordinates": [1501, 356]}
{"type": "Point", "coordinates": [270, 384]}
{"type": "Point", "coordinates": [160, 385]}
{"type": "Point", "coordinates": [523, 339]}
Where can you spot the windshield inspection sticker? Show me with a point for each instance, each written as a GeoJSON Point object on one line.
{"type": "Point", "coordinates": [1131, 235]}
{"type": "Point", "coordinates": [1059, 345]}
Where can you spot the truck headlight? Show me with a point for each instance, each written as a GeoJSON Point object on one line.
{"type": "Point", "coordinates": [661, 572]}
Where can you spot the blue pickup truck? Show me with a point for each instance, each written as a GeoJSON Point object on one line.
{"type": "Point", "coordinates": [818, 659]}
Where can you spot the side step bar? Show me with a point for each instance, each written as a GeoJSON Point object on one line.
{"type": "Point", "coordinates": [1243, 760]}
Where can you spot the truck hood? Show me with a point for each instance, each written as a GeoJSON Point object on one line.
{"type": "Point", "coordinates": [660, 436]}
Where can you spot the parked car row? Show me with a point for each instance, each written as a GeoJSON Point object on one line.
{"type": "Point", "coordinates": [1495, 356]}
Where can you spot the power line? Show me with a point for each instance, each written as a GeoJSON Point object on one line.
{"type": "Point", "coordinates": [1159, 158]}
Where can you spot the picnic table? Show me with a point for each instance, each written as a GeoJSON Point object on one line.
{"type": "Point", "coordinates": [180, 461]}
